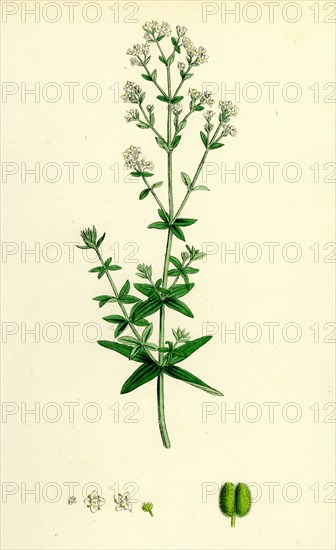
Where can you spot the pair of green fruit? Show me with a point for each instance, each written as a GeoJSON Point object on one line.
{"type": "Point", "coordinates": [235, 500]}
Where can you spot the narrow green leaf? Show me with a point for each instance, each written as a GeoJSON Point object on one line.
{"type": "Point", "coordinates": [114, 267]}
{"type": "Point", "coordinates": [99, 242]}
{"type": "Point", "coordinates": [146, 77]}
{"type": "Point", "coordinates": [123, 350]}
{"type": "Point", "coordinates": [147, 333]}
{"type": "Point", "coordinates": [141, 376]}
{"type": "Point", "coordinates": [154, 75]}
{"type": "Point", "coordinates": [129, 299]}
{"type": "Point", "coordinates": [177, 232]}
{"type": "Point", "coordinates": [120, 329]}
{"type": "Point", "coordinates": [204, 139]}
{"type": "Point", "coordinates": [182, 352]}
{"type": "Point", "coordinates": [147, 290]}
{"type": "Point", "coordinates": [170, 59]}
{"type": "Point", "coordinates": [102, 297]}
{"type": "Point", "coordinates": [163, 215]}
{"type": "Point", "coordinates": [177, 99]}
{"type": "Point", "coordinates": [184, 222]}
{"type": "Point", "coordinates": [146, 308]}
{"type": "Point", "coordinates": [143, 125]}
{"type": "Point", "coordinates": [114, 318]}
{"type": "Point", "coordinates": [201, 188]}
{"type": "Point", "coordinates": [96, 270]}
{"type": "Point", "coordinates": [199, 108]}
{"type": "Point", "coordinates": [158, 225]}
{"type": "Point", "coordinates": [216, 145]}
{"type": "Point", "coordinates": [136, 174]}
{"type": "Point", "coordinates": [157, 184]}
{"type": "Point", "coordinates": [176, 141]}
{"type": "Point", "coordinates": [143, 194]}
{"type": "Point", "coordinates": [189, 378]}
{"type": "Point", "coordinates": [180, 290]}
{"type": "Point", "coordinates": [175, 261]}
{"type": "Point", "coordinates": [186, 179]}
{"type": "Point", "coordinates": [125, 289]}
{"type": "Point", "coordinates": [163, 60]}
{"type": "Point", "coordinates": [163, 98]}
{"type": "Point", "coordinates": [179, 306]}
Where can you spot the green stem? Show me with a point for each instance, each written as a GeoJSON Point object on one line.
{"type": "Point", "coordinates": [154, 194]}
{"type": "Point", "coordinates": [197, 173]}
{"type": "Point", "coordinates": [148, 122]}
{"type": "Point", "coordinates": [182, 82]}
{"type": "Point", "coordinates": [149, 74]}
{"type": "Point", "coordinates": [122, 307]}
{"type": "Point", "coordinates": [160, 381]}
{"type": "Point", "coordinates": [233, 520]}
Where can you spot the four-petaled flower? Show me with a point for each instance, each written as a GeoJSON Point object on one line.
{"type": "Point", "coordinates": [94, 501]}
{"type": "Point", "coordinates": [131, 93]}
{"type": "Point", "coordinates": [123, 502]}
{"type": "Point", "coordinates": [229, 130]}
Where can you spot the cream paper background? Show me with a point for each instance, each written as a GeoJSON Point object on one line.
{"type": "Point", "coordinates": [54, 289]}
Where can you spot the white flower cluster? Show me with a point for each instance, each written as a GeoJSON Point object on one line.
{"type": "Point", "coordinates": [153, 29]}
{"type": "Point", "coordinates": [181, 66]}
{"type": "Point", "coordinates": [133, 162]}
{"type": "Point", "coordinates": [132, 92]}
{"type": "Point", "coordinates": [131, 115]}
{"type": "Point", "coordinates": [136, 52]}
{"type": "Point", "coordinates": [229, 130]}
{"type": "Point", "coordinates": [199, 54]}
{"type": "Point", "coordinates": [203, 97]}
{"type": "Point", "coordinates": [229, 108]}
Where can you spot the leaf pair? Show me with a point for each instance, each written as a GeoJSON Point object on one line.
{"type": "Point", "coordinates": [181, 270]}
{"type": "Point", "coordinates": [101, 270]}
{"type": "Point", "coordinates": [175, 227]}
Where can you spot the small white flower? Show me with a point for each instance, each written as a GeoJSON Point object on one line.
{"type": "Point", "coordinates": [207, 99]}
{"type": "Point", "coordinates": [194, 94]}
{"type": "Point", "coordinates": [94, 501]}
{"type": "Point", "coordinates": [180, 31]}
{"type": "Point", "coordinates": [177, 108]}
{"type": "Point", "coordinates": [153, 29]}
{"type": "Point", "coordinates": [229, 130]}
{"type": "Point", "coordinates": [131, 115]}
{"type": "Point", "coordinates": [123, 502]}
{"type": "Point", "coordinates": [146, 165]}
{"type": "Point", "coordinates": [181, 66]}
{"type": "Point", "coordinates": [199, 54]}
{"type": "Point", "coordinates": [208, 115]}
{"type": "Point", "coordinates": [229, 108]}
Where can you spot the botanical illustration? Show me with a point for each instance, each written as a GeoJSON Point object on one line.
{"type": "Point", "coordinates": [235, 500]}
{"type": "Point", "coordinates": [135, 331]}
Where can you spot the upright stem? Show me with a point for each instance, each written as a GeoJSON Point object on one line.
{"type": "Point", "coordinates": [160, 382]}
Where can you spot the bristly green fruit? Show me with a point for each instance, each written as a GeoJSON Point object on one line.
{"type": "Point", "coordinates": [235, 500]}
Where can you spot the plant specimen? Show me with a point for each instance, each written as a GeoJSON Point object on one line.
{"type": "Point", "coordinates": [160, 359]}
{"type": "Point", "coordinates": [235, 500]}
{"type": "Point", "coordinates": [148, 507]}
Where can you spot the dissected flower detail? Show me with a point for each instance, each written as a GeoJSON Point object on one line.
{"type": "Point", "coordinates": [228, 108]}
{"type": "Point", "coordinates": [177, 108]}
{"type": "Point", "coordinates": [181, 66]}
{"type": "Point", "coordinates": [229, 130]}
{"type": "Point", "coordinates": [147, 507]}
{"type": "Point", "coordinates": [72, 500]}
{"type": "Point", "coordinates": [180, 31]}
{"type": "Point", "coordinates": [208, 115]}
{"type": "Point", "coordinates": [132, 92]}
{"type": "Point", "coordinates": [197, 55]}
{"type": "Point", "coordinates": [150, 108]}
{"type": "Point", "coordinates": [94, 501]}
{"type": "Point", "coordinates": [131, 115]}
{"type": "Point", "coordinates": [123, 502]}
{"type": "Point", "coordinates": [154, 30]}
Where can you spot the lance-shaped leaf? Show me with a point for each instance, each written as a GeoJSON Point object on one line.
{"type": "Point", "coordinates": [125, 289]}
{"type": "Point", "coordinates": [120, 329]}
{"type": "Point", "coordinates": [141, 376]}
{"type": "Point", "coordinates": [179, 306]}
{"type": "Point", "coordinates": [189, 378]}
{"type": "Point", "coordinates": [146, 308]}
{"type": "Point", "coordinates": [103, 299]}
{"type": "Point", "coordinates": [158, 225]}
{"type": "Point", "coordinates": [177, 232]}
{"type": "Point", "coordinates": [182, 352]}
{"type": "Point", "coordinates": [147, 290]}
{"type": "Point", "coordinates": [180, 290]}
{"type": "Point", "coordinates": [124, 350]}
{"type": "Point", "coordinates": [114, 318]}
{"type": "Point", "coordinates": [183, 222]}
